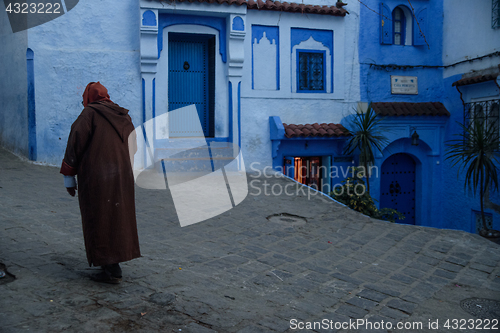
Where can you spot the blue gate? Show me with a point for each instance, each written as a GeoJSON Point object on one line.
{"type": "Point", "coordinates": [190, 81]}
{"type": "Point", "coordinates": [397, 186]}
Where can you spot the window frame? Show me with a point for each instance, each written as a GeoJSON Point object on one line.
{"type": "Point", "coordinates": [297, 73]}
{"type": "Point", "coordinates": [483, 108]}
{"type": "Point", "coordinates": [403, 26]}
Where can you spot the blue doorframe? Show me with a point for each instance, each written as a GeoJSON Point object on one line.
{"type": "Point", "coordinates": [187, 74]}
{"type": "Point", "coordinates": [30, 67]}
{"type": "Point", "coordinates": [428, 198]}
{"type": "Point", "coordinates": [398, 185]}
{"type": "Point", "coordinates": [191, 76]}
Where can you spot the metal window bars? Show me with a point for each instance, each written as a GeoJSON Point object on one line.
{"type": "Point", "coordinates": [311, 71]}
{"type": "Point", "coordinates": [487, 113]}
{"type": "Point", "coordinates": [495, 14]}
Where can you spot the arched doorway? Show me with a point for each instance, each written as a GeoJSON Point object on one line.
{"type": "Point", "coordinates": [397, 188]}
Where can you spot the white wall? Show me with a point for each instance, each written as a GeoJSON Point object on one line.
{"type": "Point", "coordinates": [467, 34]}
{"type": "Point", "coordinates": [298, 108]}
{"type": "Point", "coordinates": [101, 42]}
{"type": "Point", "coordinates": [92, 42]}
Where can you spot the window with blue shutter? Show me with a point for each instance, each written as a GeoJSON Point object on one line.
{"type": "Point", "coordinates": [385, 24]}
{"type": "Point", "coordinates": [419, 27]}
{"type": "Point", "coordinates": [311, 71]}
{"type": "Point", "coordinates": [401, 26]}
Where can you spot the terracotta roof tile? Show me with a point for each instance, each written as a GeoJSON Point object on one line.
{"type": "Point", "coordinates": [315, 130]}
{"type": "Point", "coordinates": [336, 10]}
{"type": "Point", "coordinates": [475, 79]}
{"type": "Point", "coordinates": [410, 109]}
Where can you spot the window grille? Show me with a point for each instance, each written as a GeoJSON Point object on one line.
{"type": "Point", "coordinates": [398, 18]}
{"type": "Point", "coordinates": [479, 220]}
{"type": "Point", "coordinates": [311, 71]}
{"type": "Point", "coordinates": [487, 113]}
{"type": "Point", "coordinates": [495, 14]}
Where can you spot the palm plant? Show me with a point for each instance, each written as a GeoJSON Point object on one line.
{"type": "Point", "coordinates": [477, 151]}
{"type": "Point", "coordinates": [365, 135]}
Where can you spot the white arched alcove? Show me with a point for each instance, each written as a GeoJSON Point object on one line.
{"type": "Point", "coordinates": [264, 63]}
{"type": "Point", "coordinates": [314, 45]}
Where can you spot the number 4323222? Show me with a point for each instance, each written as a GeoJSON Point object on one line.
{"type": "Point", "coordinates": [33, 8]}
{"type": "Point", "coordinates": [471, 324]}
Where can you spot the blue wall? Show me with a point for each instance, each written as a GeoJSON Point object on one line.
{"type": "Point", "coordinates": [84, 45]}
{"type": "Point", "coordinates": [13, 88]}
{"type": "Point", "coordinates": [375, 85]}
{"type": "Point", "coordinates": [378, 63]}
{"type": "Point", "coordinates": [441, 199]}
{"type": "Point", "coordinates": [460, 203]}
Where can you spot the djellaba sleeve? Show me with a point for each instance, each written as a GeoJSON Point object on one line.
{"type": "Point", "coordinates": [78, 140]}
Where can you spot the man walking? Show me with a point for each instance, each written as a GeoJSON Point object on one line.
{"type": "Point", "coordinates": [98, 153]}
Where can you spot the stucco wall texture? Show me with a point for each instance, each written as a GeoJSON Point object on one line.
{"type": "Point", "coordinates": [375, 82]}
{"type": "Point", "coordinates": [92, 42]}
{"type": "Point", "coordinates": [455, 31]}
{"type": "Point", "coordinates": [100, 41]}
{"type": "Point", "coordinates": [378, 62]}
{"type": "Point", "coordinates": [13, 88]}
{"type": "Point", "coordinates": [298, 108]}
{"type": "Point", "coordinates": [468, 34]}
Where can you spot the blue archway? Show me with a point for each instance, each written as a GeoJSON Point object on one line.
{"type": "Point", "coordinates": [397, 186]}
{"type": "Point", "coordinates": [423, 164]}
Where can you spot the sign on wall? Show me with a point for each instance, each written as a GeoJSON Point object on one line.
{"type": "Point", "coordinates": [406, 85]}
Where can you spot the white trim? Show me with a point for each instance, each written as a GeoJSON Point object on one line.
{"type": "Point", "coordinates": [285, 22]}
{"type": "Point", "coordinates": [409, 23]}
{"type": "Point", "coordinates": [313, 45]}
{"type": "Point", "coordinates": [220, 113]}
{"type": "Point", "coordinates": [191, 8]}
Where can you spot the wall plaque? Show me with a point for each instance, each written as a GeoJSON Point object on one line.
{"type": "Point", "coordinates": [406, 85]}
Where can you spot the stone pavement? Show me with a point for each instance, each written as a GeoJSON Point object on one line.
{"type": "Point", "coordinates": [237, 272]}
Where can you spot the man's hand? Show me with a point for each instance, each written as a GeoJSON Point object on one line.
{"type": "Point", "coordinates": [71, 191]}
{"type": "Point", "coordinates": [70, 184]}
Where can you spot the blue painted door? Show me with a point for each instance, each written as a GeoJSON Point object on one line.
{"type": "Point", "coordinates": [398, 186]}
{"type": "Point", "coordinates": [188, 81]}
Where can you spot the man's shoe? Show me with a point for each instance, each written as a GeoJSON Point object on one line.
{"type": "Point", "coordinates": [113, 270]}
{"type": "Point", "coordinates": [105, 278]}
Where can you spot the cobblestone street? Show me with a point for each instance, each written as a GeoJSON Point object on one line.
{"type": "Point", "coordinates": [237, 272]}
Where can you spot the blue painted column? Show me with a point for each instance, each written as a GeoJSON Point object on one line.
{"type": "Point", "coordinates": [234, 114]}
{"type": "Point", "coordinates": [149, 61]}
{"type": "Point", "coordinates": [31, 105]}
{"type": "Point", "coordinates": [236, 27]}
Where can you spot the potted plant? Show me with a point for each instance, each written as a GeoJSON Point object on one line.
{"type": "Point", "coordinates": [360, 200]}
{"type": "Point", "coordinates": [364, 136]}
{"type": "Point", "coordinates": [476, 150]}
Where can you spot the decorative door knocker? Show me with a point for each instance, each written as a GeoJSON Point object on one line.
{"type": "Point", "coordinates": [186, 65]}
{"type": "Point", "coordinates": [398, 188]}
